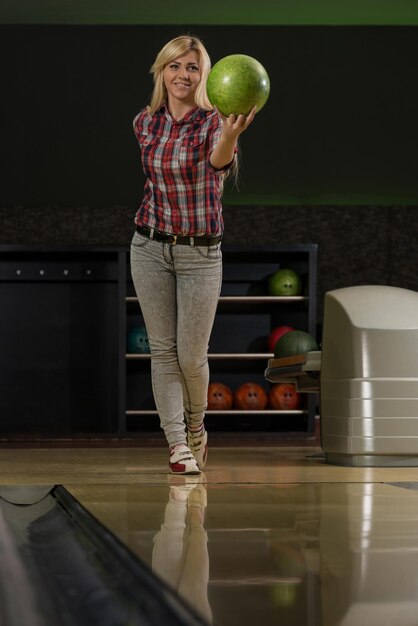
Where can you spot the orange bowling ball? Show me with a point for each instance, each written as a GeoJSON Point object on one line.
{"type": "Point", "coordinates": [220, 397]}
{"type": "Point", "coordinates": [284, 397]}
{"type": "Point", "coordinates": [251, 397]}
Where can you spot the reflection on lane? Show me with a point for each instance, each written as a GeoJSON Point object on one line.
{"type": "Point", "coordinates": [180, 553]}
{"type": "Point", "coordinates": [324, 554]}
{"type": "Point", "coordinates": [237, 554]}
{"type": "Point", "coordinates": [369, 555]}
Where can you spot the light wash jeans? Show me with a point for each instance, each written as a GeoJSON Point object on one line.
{"type": "Point", "coordinates": [178, 288]}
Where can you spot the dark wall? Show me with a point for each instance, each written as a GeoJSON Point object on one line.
{"type": "Point", "coordinates": [340, 126]}
{"type": "Point", "coordinates": [331, 159]}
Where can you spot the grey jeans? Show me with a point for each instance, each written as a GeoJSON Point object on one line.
{"type": "Point", "coordinates": [178, 288]}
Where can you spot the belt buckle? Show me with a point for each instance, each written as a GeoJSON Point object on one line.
{"type": "Point", "coordinates": [173, 243]}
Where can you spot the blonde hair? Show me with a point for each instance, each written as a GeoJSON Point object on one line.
{"type": "Point", "coordinates": [172, 50]}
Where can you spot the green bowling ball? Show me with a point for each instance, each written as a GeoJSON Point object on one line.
{"type": "Point", "coordinates": [294, 342]}
{"type": "Point", "coordinates": [285, 282]}
{"type": "Point", "coordinates": [237, 83]}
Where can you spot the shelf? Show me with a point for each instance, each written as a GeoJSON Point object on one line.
{"type": "Point", "coordinates": [230, 412]}
{"type": "Point", "coordinates": [247, 356]}
{"type": "Point", "coordinates": [263, 299]}
{"type": "Point", "coordinates": [238, 349]}
{"type": "Point", "coordinates": [249, 299]}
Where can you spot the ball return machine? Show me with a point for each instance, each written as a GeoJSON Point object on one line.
{"type": "Point", "coordinates": [366, 375]}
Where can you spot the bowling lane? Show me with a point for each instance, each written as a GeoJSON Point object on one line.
{"type": "Point", "coordinates": [252, 465]}
{"type": "Point", "coordinates": [294, 554]}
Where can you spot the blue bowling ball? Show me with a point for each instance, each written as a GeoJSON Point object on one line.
{"type": "Point", "coordinates": [138, 340]}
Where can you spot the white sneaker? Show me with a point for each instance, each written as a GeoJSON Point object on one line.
{"type": "Point", "coordinates": [182, 461]}
{"type": "Point", "coordinates": [198, 443]}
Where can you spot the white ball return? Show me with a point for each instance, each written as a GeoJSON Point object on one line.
{"type": "Point", "coordinates": [366, 376]}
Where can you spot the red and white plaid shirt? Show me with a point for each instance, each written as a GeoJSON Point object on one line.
{"type": "Point", "coordinates": [182, 194]}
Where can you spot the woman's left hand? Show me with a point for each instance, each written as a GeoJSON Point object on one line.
{"type": "Point", "coordinates": [234, 125]}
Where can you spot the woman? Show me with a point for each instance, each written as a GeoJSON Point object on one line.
{"type": "Point", "coordinates": [187, 148]}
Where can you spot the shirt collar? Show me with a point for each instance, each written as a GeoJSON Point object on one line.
{"type": "Point", "coordinates": [189, 117]}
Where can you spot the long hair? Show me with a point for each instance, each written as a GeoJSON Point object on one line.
{"type": "Point", "coordinates": [172, 50]}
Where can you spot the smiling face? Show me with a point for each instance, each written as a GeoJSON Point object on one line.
{"type": "Point", "coordinates": [181, 78]}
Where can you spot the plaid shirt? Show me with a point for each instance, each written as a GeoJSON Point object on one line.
{"type": "Point", "coordinates": [182, 194]}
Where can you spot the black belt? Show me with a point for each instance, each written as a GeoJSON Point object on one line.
{"type": "Point", "coordinates": [178, 239]}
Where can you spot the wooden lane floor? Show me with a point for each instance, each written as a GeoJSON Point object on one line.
{"type": "Point", "coordinates": [269, 535]}
{"type": "Point", "coordinates": [234, 465]}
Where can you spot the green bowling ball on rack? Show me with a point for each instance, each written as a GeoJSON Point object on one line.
{"type": "Point", "coordinates": [285, 282]}
{"type": "Point", "coordinates": [293, 343]}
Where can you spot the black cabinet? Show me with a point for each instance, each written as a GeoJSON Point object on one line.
{"type": "Point", "coordinates": [59, 319]}
{"type": "Point", "coordinates": [64, 319]}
